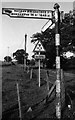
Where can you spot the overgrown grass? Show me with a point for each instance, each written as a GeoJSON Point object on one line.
{"type": "Point", "coordinates": [30, 93]}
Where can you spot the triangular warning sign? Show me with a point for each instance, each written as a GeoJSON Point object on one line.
{"type": "Point", "coordinates": [39, 47]}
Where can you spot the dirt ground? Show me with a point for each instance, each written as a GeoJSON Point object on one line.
{"type": "Point", "coordinates": [33, 97]}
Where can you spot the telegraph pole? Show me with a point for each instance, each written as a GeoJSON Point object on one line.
{"type": "Point", "coordinates": [58, 69]}
{"type": "Point", "coordinates": [8, 55]}
{"type": "Point", "coordinates": [25, 52]}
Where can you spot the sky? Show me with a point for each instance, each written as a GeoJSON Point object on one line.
{"type": "Point", "coordinates": [14, 29]}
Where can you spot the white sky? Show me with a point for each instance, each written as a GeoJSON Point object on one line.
{"type": "Point", "coordinates": [14, 29]}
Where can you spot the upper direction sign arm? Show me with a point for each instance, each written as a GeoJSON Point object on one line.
{"type": "Point", "coordinates": [28, 13]}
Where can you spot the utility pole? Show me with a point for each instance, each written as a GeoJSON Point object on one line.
{"type": "Point", "coordinates": [58, 69]}
{"type": "Point", "coordinates": [8, 55]}
{"type": "Point", "coordinates": [25, 53]}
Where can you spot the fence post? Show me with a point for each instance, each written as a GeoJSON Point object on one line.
{"type": "Point", "coordinates": [31, 73]}
{"type": "Point", "coordinates": [20, 113]}
{"type": "Point", "coordinates": [47, 76]}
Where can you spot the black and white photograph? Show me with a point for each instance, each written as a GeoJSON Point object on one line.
{"type": "Point", "coordinates": [37, 60]}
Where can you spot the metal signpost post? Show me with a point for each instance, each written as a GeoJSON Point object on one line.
{"type": "Point", "coordinates": [39, 48]}
{"type": "Point", "coordinates": [58, 70]}
{"type": "Point", "coordinates": [39, 57]}
{"type": "Point", "coordinates": [39, 70]}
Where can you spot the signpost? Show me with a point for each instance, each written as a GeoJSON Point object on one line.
{"type": "Point", "coordinates": [39, 57]}
{"type": "Point", "coordinates": [58, 69]}
{"type": "Point", "coordinates": [39, 70]}
{"type": "Point", "coordinates": [39, 48]}
{"type": "Point", "coordinates": [44, 14]}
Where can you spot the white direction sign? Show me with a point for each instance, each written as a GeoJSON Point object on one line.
{"type": "Point", "coordinates": [39, 47]}
{"type": "Point", "coordinates": [28, 13]}
{"type": "Point", "coordinates": [46, 26]}
{"type": "Point", "coordinates": [49, 25]}
{"type": "Point", "coordinates": [52, 26]}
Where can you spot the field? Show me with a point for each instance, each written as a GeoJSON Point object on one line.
{"type": "Point", "coordinates": [31, 95]}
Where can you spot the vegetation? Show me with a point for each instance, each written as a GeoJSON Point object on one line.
{"type": "Point", "coordinates": [31, 95]}
{"type": "Point", "coordinates": [19, 56]}
{"type": "Point", "coordinates": [67, 37]}
{"type": "Point", "coordinates": [7, 59]}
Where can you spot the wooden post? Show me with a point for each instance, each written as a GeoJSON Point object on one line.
{"type": "Point", "coordinates": [50, 91]}
{"type": "Point", "coordinates": [58, 69]}
{"type": "Point", "coordinates": [20, 114]}
{"type": "Point", "coordinates": [31, 73]}
{"type": "Point", "coordinates": [39, 70]}
{"type": "Point", "coordinates": [47, 76]}
{"type": "Point", "coordinates": [52, 88]}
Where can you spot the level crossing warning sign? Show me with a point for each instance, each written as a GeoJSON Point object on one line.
{"type": "Point", "coordinates": [39, 47]}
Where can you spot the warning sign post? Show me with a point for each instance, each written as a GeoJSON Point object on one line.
{"type": "Point", "coordinates": [39, 48]}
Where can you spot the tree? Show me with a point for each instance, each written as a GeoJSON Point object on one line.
{"type": "Point", "coordinates": [7, 58]}
{"type": "Point", "coordinates": [19, 56]}
{"type": "Point", "coordinates": [32, 62]}
{"type": "Point", "coordinates": [67, 36]}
